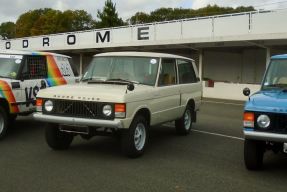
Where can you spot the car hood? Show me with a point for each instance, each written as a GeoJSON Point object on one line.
{"type": "Point", "coordinates": [268, 101]}
{"type": "Point", "coordinates": [95, 92]}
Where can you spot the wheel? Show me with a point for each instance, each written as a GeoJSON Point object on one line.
{"type": "Point", "coordinates": [3, 122]}
{"type": "Point", "coordinates": [253, 154]}
{"type": "Point", "coordinates": [56, 139]}
{"type": "Point", "coordinates": [134, 139]}
{"type": "Point", "coordinates": [184, 124]}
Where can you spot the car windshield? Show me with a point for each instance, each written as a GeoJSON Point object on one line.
{"type": "Point", "coordinates": [276, 75]}
{"type": "Point", "coordinates": [141, 70]}
{"type": "Point", "coordinates": [9, 65]}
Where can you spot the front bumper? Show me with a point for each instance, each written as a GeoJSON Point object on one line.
{"type": "Point", "coordinates": [265, 136]}
{"type": "Point", "coordinates": [116, 123]}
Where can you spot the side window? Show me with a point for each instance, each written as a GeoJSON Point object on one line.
{"type": "Point", "coordinates": [74, 68]}
{"type": "Point", "coordinates": [167, 74]}
{"type": "Point", "coordinates": [35, 67]}
{"type": "Point", "coordinates": [186, 72]}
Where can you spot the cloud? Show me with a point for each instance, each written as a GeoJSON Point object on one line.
{"type": "Point", "coordinates": [10, 10]}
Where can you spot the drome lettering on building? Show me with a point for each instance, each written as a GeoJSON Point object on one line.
{"type": "Point", "coordinates": [78, 39]}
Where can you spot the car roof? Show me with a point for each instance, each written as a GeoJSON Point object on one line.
{"type": "Point", "coordinates": [141, 54]}
{"type": "Point", "coordinates": [17, 52]}
{"type": "Point", "coordinates": [283, 56]}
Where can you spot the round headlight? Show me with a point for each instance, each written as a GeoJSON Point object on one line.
{"type": "Point", "coordinates": [48, 105]}
{"type": "Point", "coordinates": [263, 121]}
{"type": "Point", "coordinates": [107, 110]}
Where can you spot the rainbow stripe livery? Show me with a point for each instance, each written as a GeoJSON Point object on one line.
{"type": "Point", "coordinates": [6, 92]}
{"type": "Point", "coordinates": [54, 74]}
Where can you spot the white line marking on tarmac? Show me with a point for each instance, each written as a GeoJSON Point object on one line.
{"type": "Point", "coordinates": [217, 134]}
{"type": "Point", "coordinates": [218, 102]}
{"type": "Point", "coordinates": [211, 133]}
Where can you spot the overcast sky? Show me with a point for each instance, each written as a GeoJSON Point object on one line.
{"type": "Point", "coordinates": [11, 9]}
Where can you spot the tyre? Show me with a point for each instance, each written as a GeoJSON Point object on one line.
{"type": "Point", "coordinates": [253, 154]}
{"type": "Point", "coordinates": [184, 124]}
{"type": "Point", "coordinates": [134, 139]}
{"type": "Point", "coordinates": [3, 122]}
{"type": "Point", "coordinates": [56, 139]}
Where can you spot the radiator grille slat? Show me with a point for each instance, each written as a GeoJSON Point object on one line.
{"type": "Point", "coordinates": [75, 108]}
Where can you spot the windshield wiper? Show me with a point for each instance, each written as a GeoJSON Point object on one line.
{"type": "Point", "coordinates": [277, 85]}
{"type": "Point", "coordinates": [1, 76]}
{"type": "Point", "coordinates": [123, 80]}
{"type": "Point", "coordinates": [94, 79]}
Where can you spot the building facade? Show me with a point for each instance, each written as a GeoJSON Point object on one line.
{"type": "Point", "coordinates": [231, 51]}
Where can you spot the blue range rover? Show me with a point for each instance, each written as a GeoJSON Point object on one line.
{"type": "Point", "coordinates": [265, 115]}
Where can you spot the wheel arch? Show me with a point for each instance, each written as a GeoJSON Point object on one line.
{"type": "Point", "coordinates": [191, 103]}
{"type": "Point", "coordinates": [145, 112]}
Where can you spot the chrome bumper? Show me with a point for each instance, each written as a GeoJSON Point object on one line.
{"type": "Point", "coordinates": [265, 136]}
{"type": "Point", "coordinates": [78, 121]}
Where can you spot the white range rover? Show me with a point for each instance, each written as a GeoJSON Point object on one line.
{"type": "Point", "coordinates": [125, 93]}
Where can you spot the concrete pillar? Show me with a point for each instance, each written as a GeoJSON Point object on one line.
{"type": "Point", "coordinates": [200, 60]}
{"type": "Point", "coordinates": [268, 56]}
{"type": "Point", "coordinates": [81, 64]}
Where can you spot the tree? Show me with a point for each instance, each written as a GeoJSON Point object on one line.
{"type": "Point", "coordinates": [26, 21]}
{"type": "Point", "coordinates": [82, 21]}
{"type": "Point", "coordinates": [7, 30]}
{"type": "Point", "coordinates": [140, 18]}
{"type": "Point", "coordinates": [109, 16]}
{"type": "Point", "coordinates": [167, 14]}
{"type": "Point", "coordinates": [48, 21]}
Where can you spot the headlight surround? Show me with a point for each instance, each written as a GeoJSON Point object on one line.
{"type": "Point", "coordinates": [107, 110]}
{"type": "Point", "coordinates": [263, 121]}
{"type": "Point", "coordinates": [48, 105]}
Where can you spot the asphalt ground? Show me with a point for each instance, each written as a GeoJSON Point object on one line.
{"type": "Point", "coordinates": [209, 159]}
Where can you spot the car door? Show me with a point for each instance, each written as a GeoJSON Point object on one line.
{"type": "Point", "coordinates": [32, 79]}
{"type": "Point", "coordinates": [166, 95]}
{"type": "Point", "coordinates": [189, 83]}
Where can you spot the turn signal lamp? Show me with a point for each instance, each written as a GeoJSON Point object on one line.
{"type": "Point", "coordinates": [39, 103]}
{"type": "Point", "coordinates": [248, 119]}
{"type": "Point", "coordinates": [120, 110]}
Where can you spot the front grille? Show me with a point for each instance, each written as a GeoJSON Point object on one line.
{"type": "Point", "coordinates": [82, 109]}
{"type": "Point", "coordinates": [278, 123]}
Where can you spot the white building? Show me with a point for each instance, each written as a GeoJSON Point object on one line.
{"type": "Point", "coordinates": [231, 50]}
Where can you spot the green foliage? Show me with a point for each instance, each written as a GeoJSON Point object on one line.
{"type": "Point", "coordinates": [109, 16]}
{"type": "Point", "coordinates": [48, 21]}
{"type": "Point", "coordinates": [7, 30]}
{"type": "Point", "coordinates": [166, 14]}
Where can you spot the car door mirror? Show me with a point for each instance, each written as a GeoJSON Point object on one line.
{"type": "Point", "coordinates": [246, 91]}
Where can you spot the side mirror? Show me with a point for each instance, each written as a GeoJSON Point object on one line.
{"type": "Point", "coordinates": [43, 84]}
{"type": "Point", "coordinates": [130, 87]}
{"type": "Point", "coordinates": [246, 91]}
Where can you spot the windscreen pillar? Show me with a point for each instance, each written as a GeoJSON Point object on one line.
{"type": "Point", "coordinates": [268, 56]}
{"type": "Point", "coordinates": [200, 63]}
{"type": "Point", "coordinates": [81, 64]}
